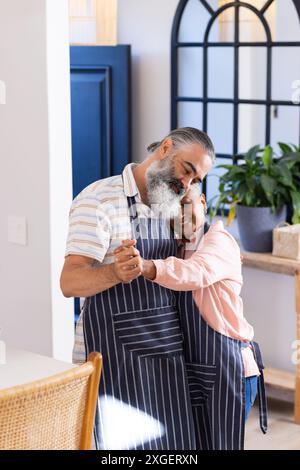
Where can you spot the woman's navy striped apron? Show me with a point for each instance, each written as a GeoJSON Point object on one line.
{"type": "Point", "coordinates": [144, 400]}
{"type": "Point", "coordinates": [216, 379]}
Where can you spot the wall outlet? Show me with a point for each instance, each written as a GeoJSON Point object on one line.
{"type": "Point", "coordinates": [17, 230]}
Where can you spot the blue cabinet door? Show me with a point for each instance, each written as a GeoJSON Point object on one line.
{"type": "Point", "coordinates": [100, 112]}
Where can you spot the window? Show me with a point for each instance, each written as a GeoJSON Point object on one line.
{"type": "Point", "coordinates": [235, 69]}
{"type": "Point", "coordinates": [93, 22]}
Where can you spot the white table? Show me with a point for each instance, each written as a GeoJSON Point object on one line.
{"type": "Point", "coordinates": [23, 366]}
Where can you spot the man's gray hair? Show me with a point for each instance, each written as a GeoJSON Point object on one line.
{"type": "Point", "coordinates": [185, 136]}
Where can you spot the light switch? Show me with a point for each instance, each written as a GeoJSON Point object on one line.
{"type": "Point", "coordinates": [17, 230]}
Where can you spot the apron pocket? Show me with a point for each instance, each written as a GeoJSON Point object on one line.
{"type": "Point", "coordinates": [154, 332]}
{"type": "Point", "coordinates": [201, 380]}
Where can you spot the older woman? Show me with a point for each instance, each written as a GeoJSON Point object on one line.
{"type": "Point", "coordinates": [224, 365]}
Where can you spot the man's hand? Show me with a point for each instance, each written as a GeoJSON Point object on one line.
{"type": "Point", "coordinates": [128, 256]}
{"type": "Point", "coordinates": [128, 262]}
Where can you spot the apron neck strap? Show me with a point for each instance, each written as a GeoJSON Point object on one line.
{"type": "Point", "coordinates": [206, 227]}
{"type": "Point", "coordinates": [132, 208]}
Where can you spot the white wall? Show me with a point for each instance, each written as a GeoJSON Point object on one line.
{"type": "Point", "coordinates": [60, 169]}
{"type": "Point", "coordinates": [146, 25]}
{"type": "Point", "coordinates": [268, 298]}
{"type": "Point", "coordinates": [35, 177]}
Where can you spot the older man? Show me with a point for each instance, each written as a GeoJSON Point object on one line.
{"type": "Point", "coordinates": [144, 401]}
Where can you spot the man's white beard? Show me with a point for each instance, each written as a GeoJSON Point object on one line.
{"type": "Point", "coordinates": [162, 199]}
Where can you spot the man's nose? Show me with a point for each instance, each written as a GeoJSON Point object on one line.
{"type": "Point", "coordinates": [186, 182]}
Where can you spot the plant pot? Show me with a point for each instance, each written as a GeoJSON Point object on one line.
{"type": "Point", "coordinates": [256, 226]}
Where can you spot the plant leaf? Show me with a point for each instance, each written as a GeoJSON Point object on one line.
{"type": "Point", "coordinates": [251, 182]}
{"type": "Point", "coordinates": [285, 148]}
{"type": "Point", "coordinates": [284, 175]}
{"type": "Point", "coordinates": [231, 215]}
{"type": "Point", "coordinates": [269, 185]}
{"type": "Point", "coordinates": [295, 195]}
{"type": "Point", "coordinates": [251, 155]}
{"type": "Point", "coordinates": [290, 158]}
{"type": "Point", "coordinates": [267, 157]}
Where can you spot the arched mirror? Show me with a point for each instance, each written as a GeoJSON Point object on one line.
{"type": "Point", "coordinates": [236, 73]}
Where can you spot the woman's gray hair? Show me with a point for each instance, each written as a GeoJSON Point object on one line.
{"type": "Point", "coordinates": [185, 136]}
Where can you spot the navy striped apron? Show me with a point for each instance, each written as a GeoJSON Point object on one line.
{"type": "Point", "coordinates": [216, 379]}
{"type": "Point", "coordinates": [136, 328]}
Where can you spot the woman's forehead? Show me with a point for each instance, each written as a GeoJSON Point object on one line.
{"type": "Point", "coordinates": [194, 192]}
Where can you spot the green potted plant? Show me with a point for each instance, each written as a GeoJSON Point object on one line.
{"type": "Point", "coordinates": [258, 189]}
{"type": "Point", "coordinates": [291, 157]}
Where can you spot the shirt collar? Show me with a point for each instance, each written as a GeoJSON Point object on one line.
{"type": "Point", "coordinates": [130, 186]}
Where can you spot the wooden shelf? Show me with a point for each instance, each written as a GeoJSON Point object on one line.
{"type": "Point", "coordinates": [280, 385]}
{"type": "Point", "coordinates": [268, 262]}
{"type": "Point", "coordinates": [280, 379]}
{"type": "Point", "coordinates": [278, 382]}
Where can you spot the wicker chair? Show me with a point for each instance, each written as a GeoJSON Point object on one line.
{"type": "Point", "coordinates": [57, 412]}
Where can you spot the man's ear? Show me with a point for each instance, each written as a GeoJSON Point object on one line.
{"type": "Point", "coordinates": [165, 148]}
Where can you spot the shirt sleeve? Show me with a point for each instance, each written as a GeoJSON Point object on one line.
{"type": "Point", "coordinates": [217, 258]}
{"type": "Point", "coordinates": [89, 228]}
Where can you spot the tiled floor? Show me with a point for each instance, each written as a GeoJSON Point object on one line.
{"type": "Point", "coordinates": [283, 433]}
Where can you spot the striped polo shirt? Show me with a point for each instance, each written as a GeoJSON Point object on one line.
{"type": "Point", "coordinates": [99, 217]}
{"type": "Point", "coordinates": [99, 220]}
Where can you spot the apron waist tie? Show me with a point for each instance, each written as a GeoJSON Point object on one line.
{"type": "Point", "coordinates": [263, 409]}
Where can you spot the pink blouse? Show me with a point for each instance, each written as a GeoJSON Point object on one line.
{"type": "Point", "coordinates": [214, 273]}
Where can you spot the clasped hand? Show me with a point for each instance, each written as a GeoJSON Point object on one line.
{"type": "Point", "coordinates": [128, 261]}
